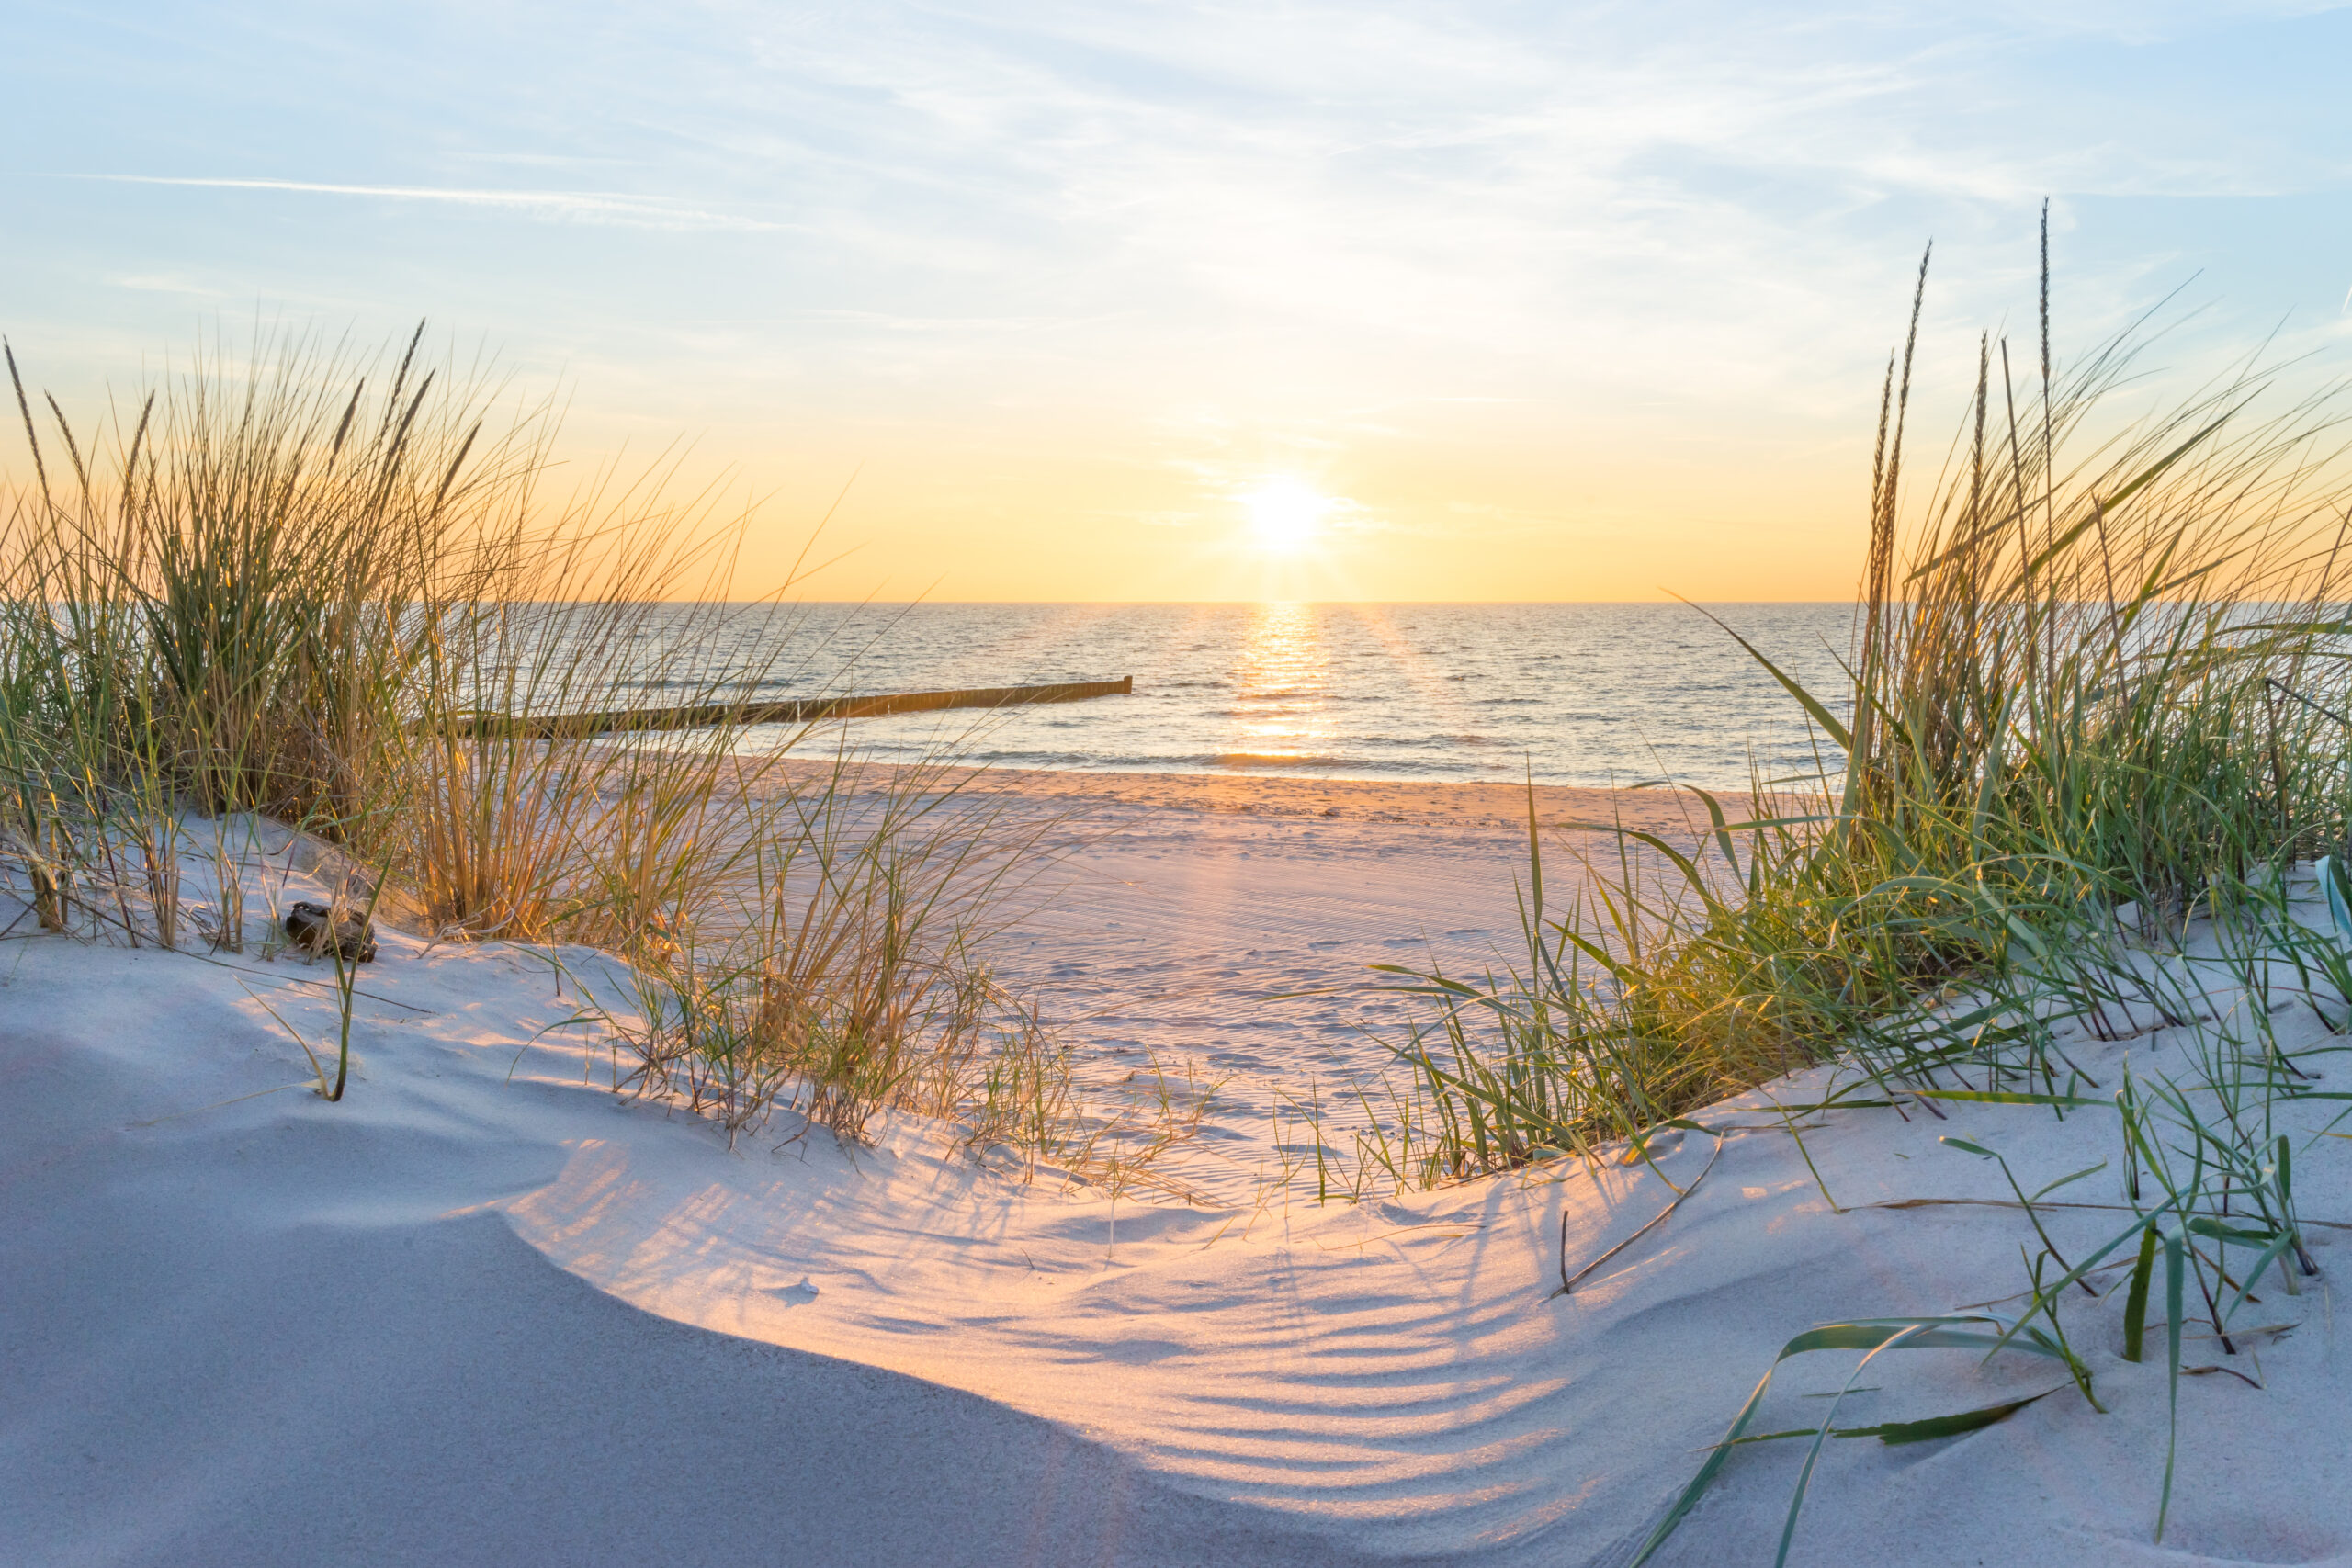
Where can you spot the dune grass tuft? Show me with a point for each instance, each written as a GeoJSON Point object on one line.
{"type": "Point", "coordinates": [2097, 721]}
{"type": "Point", "coordinates": [291, 586]}
{"type": "Point", "coordinates": [2100, 669]}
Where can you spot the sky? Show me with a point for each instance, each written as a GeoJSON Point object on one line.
{"type": "Point", "coordinates": [1458, 301]}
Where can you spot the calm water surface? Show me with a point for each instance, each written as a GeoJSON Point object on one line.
{"type": "Point", "coordinates": [1580, 693]}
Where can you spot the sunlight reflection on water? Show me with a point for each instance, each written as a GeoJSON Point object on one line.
{"type": "Point", "coordinates": [1579, 693]}
{"type": "Point", "coordinates": [1280, 705]}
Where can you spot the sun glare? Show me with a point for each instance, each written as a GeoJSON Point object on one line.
{"type": "Point", "coordinates": [1285, 515]}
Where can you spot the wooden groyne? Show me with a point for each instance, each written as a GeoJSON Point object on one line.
{"type": "Point", "coordinates": [806, 710]}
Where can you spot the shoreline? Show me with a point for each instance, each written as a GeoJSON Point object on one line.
{"type": "Point", "coordinates": [1448, 803]}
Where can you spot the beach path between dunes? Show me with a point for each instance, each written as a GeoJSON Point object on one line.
{"type": "Point", "coordinates": [483, 1312]}
{"type": "Point", "coordinates": [1222, 931]}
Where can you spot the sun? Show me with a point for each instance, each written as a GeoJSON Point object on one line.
{"type": "Point", "coordinates": [1285, 515]}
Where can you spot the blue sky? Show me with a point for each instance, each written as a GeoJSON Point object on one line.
{"type": "Point", "coordinates": [1557, 302]}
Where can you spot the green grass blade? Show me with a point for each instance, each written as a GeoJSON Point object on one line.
{"type": "Point", "coordinates": [1813, 1454]}
{"type": "Point", "coordinates": [1895, 1433]}
{"type": "Point", "coordinates": [2174, 1270]}
{"type": "Point", "coordinates": [2008, 1097]}
{"type": "Point", "coordinates": [1821, 715]}
{"type": "Point", "coordinates": [2135, 1305]}
{"type": "Point", "coordinates": [1870, 1335]}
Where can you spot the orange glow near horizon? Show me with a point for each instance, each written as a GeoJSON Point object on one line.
{"type": "Point", "coordinates": [1082, 511]}
{"type": "Point", "coordinates": [1077, 517]}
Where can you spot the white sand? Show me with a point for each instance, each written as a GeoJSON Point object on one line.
{"type": "Point", "coordinates": [466, 1316]}
{"type": "Point", "coordinates": [1222, 927]}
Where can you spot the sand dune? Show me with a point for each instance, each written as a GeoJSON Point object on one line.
{"type": "Point", "coordinates": [482, 1311]}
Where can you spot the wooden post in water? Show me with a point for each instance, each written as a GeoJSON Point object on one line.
{"type": "Point", "coordinates": [807, 710]}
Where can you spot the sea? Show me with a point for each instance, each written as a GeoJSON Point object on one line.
{"type": "Point", "coordinates": [1608, 694]}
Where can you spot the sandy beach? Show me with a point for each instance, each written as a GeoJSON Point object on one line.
{"type": "Point", "coordinates": [769, 787]}
{"type": "Point", "coordinates": [1223, 927]}
{"type": "Point", "coordinates": [482, 1311]}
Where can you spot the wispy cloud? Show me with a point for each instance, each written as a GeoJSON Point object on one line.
{"type": "Point", "coordinates": [1581, 261]}
{"type": "Point", "coordinates": [560, 206]}
{"type": "Point", "coordinates": [162, 283]}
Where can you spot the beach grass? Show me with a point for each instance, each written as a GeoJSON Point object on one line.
{"type": "Point", "coordinates": [2100, 669]}
{"type": "Point", "coordinates": [294, 584]}
{"type": "Point", "coordinates": [2097, 719]}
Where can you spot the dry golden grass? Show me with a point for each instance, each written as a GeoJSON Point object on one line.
{"type": "Point", "coordinates": [301, 584]}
